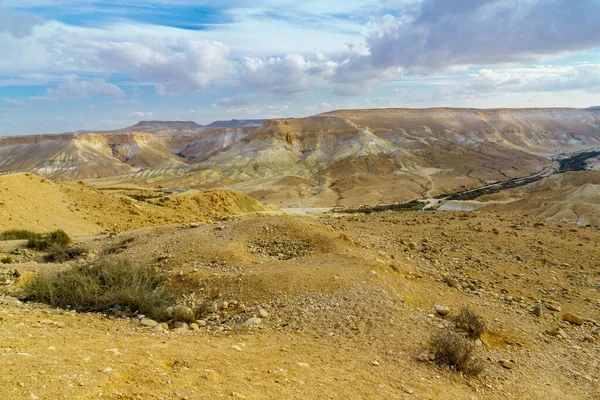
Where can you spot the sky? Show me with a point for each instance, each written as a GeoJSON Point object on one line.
{"type": "Point", "coordinates": [71, 65]}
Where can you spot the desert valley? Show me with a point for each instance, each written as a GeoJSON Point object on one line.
{"type": "Point", "coordinates": [283, 200]}
{"type": "Point", "coordinates": [390, 253]}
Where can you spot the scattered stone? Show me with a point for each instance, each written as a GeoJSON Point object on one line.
{"type": "Point", "coordinates": [158, 328]}
{"type": "Point", "coordinates": [508, 299]}
{"type": "Point", "coordinates": [262, 313]}
{"type": "Point", "coordinates": [507, 364]}
{"type": "Point", "coordinates": [225, 305]}
{"type": "Point", "coordinates": [303, 364]}
{"type": "Point", "coordinates": [589, 338]}
{"type": "Point", "coordinates": [557, 332]}
{"type": "Point", "coordinates": [573, 319]}
{"type": "Point", "coordinates": [478, 343]}
{"type": "Point", "coordinates": [375, 363]}
{"type": "Point", "coordinates": [201, 323]}
{"type": "Point", "coordinates": [236, 347]}
{"type": "Point", "coordinates": [108, 370]}
{"type": "Point", "coordinates": [212, 308]}
{"type": "Point", "coordinates": [181, 313]}
{"type": "Point", "coordinates": [237, 395]}
{"type": "Point", "coordinates": [538, 311]}
{"type": "Point", "coordinates": [553, 307]}
{"type": "Point", "coordinates": [409, 391]}
{"type": "Point", "coordinates": [181, 325]}
{"type": "Point", "coordinates": [194, 326]}
{"type": "Point", "coordinates": [148, 322]}
{"type": "Point", "coordinates": [253, 321]}
{"type": "Point", "coordinates": [442, 310]}
{"type": "Point", "coordinates": [115, 351]}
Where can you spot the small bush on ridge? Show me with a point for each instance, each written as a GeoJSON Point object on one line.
{"type": "Point", "coordinates": [456, 352]}
{"type": "Point", "coordinates": [470, 322]}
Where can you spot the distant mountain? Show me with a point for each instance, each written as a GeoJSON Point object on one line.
{"type": "Point", "coordinates": [164, 126]}
{"type": "Point", "coordinates": [338, 158]}
{"type": "Point", "coordinates": [595, 108]}
{"type": "Point", "coordinates": [236, 123]}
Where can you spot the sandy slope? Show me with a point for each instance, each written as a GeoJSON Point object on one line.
{"type": "Point", "coordinates": [30, 202]}
{"type": "Point", "coordinates": [359, 289]}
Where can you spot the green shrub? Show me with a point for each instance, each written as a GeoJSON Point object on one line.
{"type": "Point", "coordinates": [43, 242]}
{"type": "Point", "coordinates": [7, 260]}
{"type": "Point", "coordinates": [59, 254]}
{"type": "Point", "coordinates": [102, 285]}
{"type": "Point", "coordinates": [456, 352]}
{"type": "Point", "coordinates": [18, 234]}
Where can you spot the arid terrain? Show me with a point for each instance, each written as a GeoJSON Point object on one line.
{"type": "Point", "coordinates": [349, 304]}
{"type": "Point", "coordinates": [299, 302]}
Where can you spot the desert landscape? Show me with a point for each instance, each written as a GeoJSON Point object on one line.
{"type": "Point", "coordinates": [459, 288]}
{"type": "Point", "coordinates": [275, 200]}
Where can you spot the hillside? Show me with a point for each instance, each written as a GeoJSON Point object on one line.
{"type": "Point", "coordinates": [30, 202]}
{"type": "Point", "coordinates": [346, 308]}
{"type": "Point", "coordinates": [339, 158]}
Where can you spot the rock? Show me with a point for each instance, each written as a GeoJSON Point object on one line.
{"type": "Point", "coordinates": [573, 319]}
{"type": "Point", "coordinates": [507, 364]}
{"type": "Point", "coordinates": [409, 391]}
{"type": "Point", "coordinates": [253, 321]}
{"type": "Point", "coordinates": [212, 308]}
{"type": "Point", "coordinates": [375, 363]}
{"type": "Point", "coordinates": [303, 364]}
{"type": "Point", "coordinates": [478, 343]}
{"type": "Point", "coordinates": [441, 310]}
{"type": "Point", "coordinates": [201, 323]}
{"type": "Point", "coordinates": [237, 395]}
{"type": "Point", "coordinates": [236, 347]}
{"type": "Point", "coordinates": [225, 305]}
{"type": "Point", "coordinates": [181, 325]}
{"type": "Point", "coordinates": [158, 328]}
{"type": "Point", "coordinates": [262, 313]}
{"type": "Point", "coordinates": [553, 307]}
{"type": "Point", "coordinates": [423, 357]}
{"type": "Point", "coordinates": [556, 332]}
{"type": "Point", "coordinates": [194, 326]}
{"type": "Point", "coordinates": [180, 313]}
{"type": "Point", "coordinates": [148, 322]}
{"type": "Point", "coordinates": [589, 338]}
{"type": "Point", "coordinates": [108, 370]}
{"type": "Point", "coordinates": [508, 299]}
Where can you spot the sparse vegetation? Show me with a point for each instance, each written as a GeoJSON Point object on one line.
{"type": "Point", "coordinates": [7, 260]}
{"type": "Point", "coordinates": [45, 241]}
{"type": "Point", "coordinates": [60, 254]}
{"type": "Point", "coordinates": [470, 322]}
{"type": "Point", "coordinates": [455, 351]}
{"type": "Point", "coordinates": [18, 234]}
{"type": "Point", "coordinates": [102, 285]}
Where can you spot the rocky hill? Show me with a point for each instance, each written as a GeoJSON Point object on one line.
{"type": "Point", "coordinates": [337, 158]}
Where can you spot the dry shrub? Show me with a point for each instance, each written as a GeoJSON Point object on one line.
{"type": "Point", "coordinates": [102, 285]}
{"type": "Point", "coordinates": [456, 352]}
{"type": "Point", "coordinates": [470, 322]}
{"type": "Point", "coordinates": [60, 254]}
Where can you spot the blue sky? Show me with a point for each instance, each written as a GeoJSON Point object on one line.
{"type": "Point", "coordinates": [97, 65]}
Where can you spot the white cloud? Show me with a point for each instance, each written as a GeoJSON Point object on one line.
{"type": "Point", "coordinates": [171, 64]}
{"type": "Point", "coordinates": [142, 114]}
{"type": "Point", "coordinates": [82, 90]}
